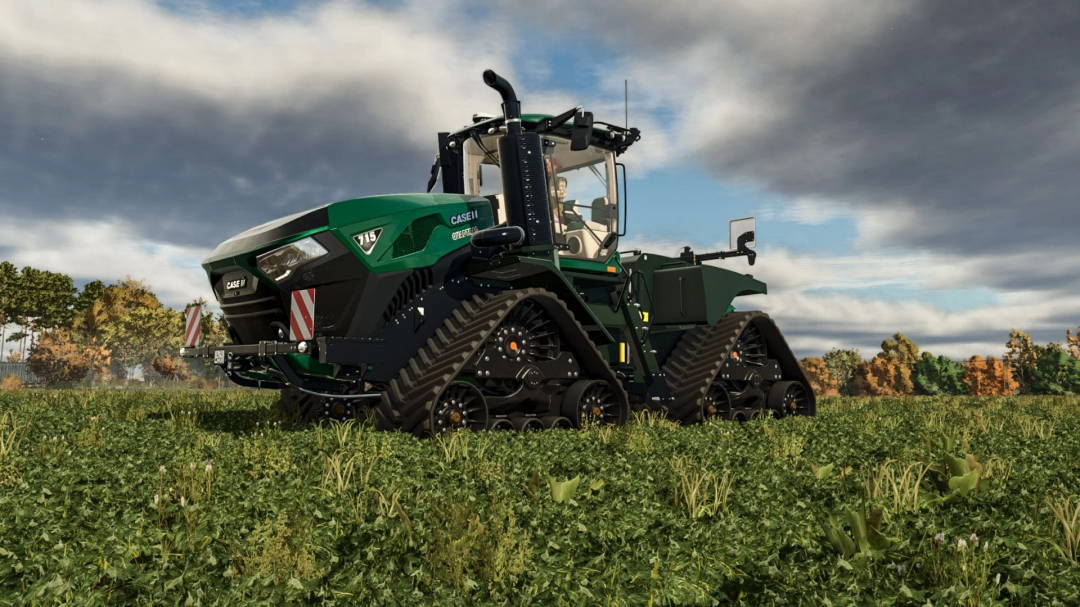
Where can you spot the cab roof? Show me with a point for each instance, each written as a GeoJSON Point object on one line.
{"type": "Point", "coordinates": [604, 135]}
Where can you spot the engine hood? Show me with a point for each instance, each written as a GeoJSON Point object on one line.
{"type": "Point", "coordinates": [336, 215]}
{"type": "Point", "coordinates": [277, 229]}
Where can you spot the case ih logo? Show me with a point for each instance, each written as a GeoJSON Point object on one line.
{"type": "Point", "coordinates": [367, 240]}
{"type": "Point", "coordinates": [464, 218]}
{"type": "Point", "coordinates": [238, 283]}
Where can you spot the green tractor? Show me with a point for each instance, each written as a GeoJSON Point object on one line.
{"type": "Point", "coordinates": [500, 303]}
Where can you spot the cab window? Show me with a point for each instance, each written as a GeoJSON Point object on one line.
{"type": "Point", "coordinates": [581, 190]}
{"type": "Point", "coordinates": [584, 208]}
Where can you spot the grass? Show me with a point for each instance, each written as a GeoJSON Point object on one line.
{"type": "Point", "coordinates": [213, 498]}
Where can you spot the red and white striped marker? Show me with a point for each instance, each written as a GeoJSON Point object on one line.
{"type": "Point", "coordinates": [192, 326]}
{"type": "Point", "coordinates": [302, 315]}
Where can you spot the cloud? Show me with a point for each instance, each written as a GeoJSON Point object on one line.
{"type": "Point", "coordinates": [192, 127]}
{"type": "Point", "coordinates": [107, 251]}
{"type": "Point", "coordinates": [822, 301]}
{"type": "Point", "coordinates": [951, 128]}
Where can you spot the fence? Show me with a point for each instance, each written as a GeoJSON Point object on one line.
{"type": "Point", "coordinates": [18, 370]}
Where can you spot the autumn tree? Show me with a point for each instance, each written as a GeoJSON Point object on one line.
{"type": "Point", "coordinates": [1021, 357]}
{"type": "Point", "coordinates": [170, 367]}
{"type": "Point", "coordinates": [939, 375]}
{"type": "Point", "coordinates": [901, 349]}
{"type": "Point", "coordinates": [817, 373]}
{"type": "Point", "coordinates": [58, 357]}
{"type": "Point", "coordinates": [141, 335]}
{"type": "Point", "coordinates": [988, 377]}
{"type": "Point", "coordinates": [102, 306]}
{"type": "Point", "coordinates": [1073, 341]}
{"type": "Point", "coordinates": [882, 376]}
{"type": "Point", "coordinates": [842, 365]}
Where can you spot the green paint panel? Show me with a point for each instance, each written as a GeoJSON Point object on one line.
{"type": "Point", "coordinates": [417, 229]}
{"type": "Point", "coordinates": [591, 266]}
{"type": "Point", "coordinates": [304, 363]}
{"type": "Point", "coordinates": [698, 294]}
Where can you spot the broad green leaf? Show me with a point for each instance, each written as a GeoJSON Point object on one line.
{"type": "Point", "coordinates": [955, 465]}
{"type": "Point", "coordinates": [563, 491]}
{"type": "Point", "coordinates": [964, 484]}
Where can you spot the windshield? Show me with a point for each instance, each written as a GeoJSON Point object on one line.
{"type": "Point", "coordinates": [581, 189]}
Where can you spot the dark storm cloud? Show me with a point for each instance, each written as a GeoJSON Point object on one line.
{"type": "Point", "coordinates": [193, 125]}
{"type": "Point", "coordinates": [182, 168]}
{"type": "Point", "coordinates": [956, 125]}
{"type": "Point", "coordinates": [968, 111]}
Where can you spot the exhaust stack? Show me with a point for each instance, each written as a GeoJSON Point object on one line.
{"type": "Point", "coordinates": [521, 157]}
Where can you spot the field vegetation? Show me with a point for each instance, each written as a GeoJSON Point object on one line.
{"type": "Point", "coordinates": [197, 497]}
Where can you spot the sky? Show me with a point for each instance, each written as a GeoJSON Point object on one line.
{"type": "Point", "coordinates": [911, 165]}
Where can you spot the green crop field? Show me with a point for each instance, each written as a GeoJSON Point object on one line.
{"type": "Point", "coordinates": [209, 498]}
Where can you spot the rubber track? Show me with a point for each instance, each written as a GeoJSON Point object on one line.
{"type": "Point", "coordinates": [408, 400]}
{"type": "Point", "coordinates": [696, 360]}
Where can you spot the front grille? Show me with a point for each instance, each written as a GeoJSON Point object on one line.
{"type": "Point", "coordinates": [416, 236]}
{"type": "Point", "coordinates": [251, 314]}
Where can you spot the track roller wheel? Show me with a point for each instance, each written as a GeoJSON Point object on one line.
{"type": "Point", "coordinates": [528, 424]}
{"type": "Point", "coordinates": [788, 398]}
{"type": "Point", "coordinates": [459, 406]}
{"type": "Point", "coordinates": [716, 404]}
{"type": "Point", "coordinates": [557, 422]}
{"type": "Point", "coordinates": [593, 401]}
{"type": "Point", "coordinates": [316, 409]}
{"type": "Point", "coordinates": [500, 424]}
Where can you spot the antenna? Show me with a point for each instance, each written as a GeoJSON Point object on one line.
{"type": "Point", "coordinates": [626, 102]}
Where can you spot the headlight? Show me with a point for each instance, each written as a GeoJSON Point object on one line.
{"type": "Point", "coordinates": [280, 263]}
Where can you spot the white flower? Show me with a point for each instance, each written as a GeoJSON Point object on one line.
{"type": "Point", "coordinates": [183, 501]}
{"type": "Point", "coordinates": [209, 466]}
{"type": "Point", "coordinates": [986, 546]}
{"type": "Point", "coordinates": [939, 538]}
{"type": "Point", "coordinates": [974, 539]}
{"type": "Point", "coordinates": [157, 499]}
{"type": "Point", "coordinates": [961, 544]}
{"type": "Point", "coordinates": [161, 469]}
{"type": "Point", "coordinates": [997, 579]}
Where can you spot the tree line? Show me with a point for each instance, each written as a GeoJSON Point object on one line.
{"type": "Point", "coordinates": [899, 369]}
{"type": "Point", "coordinates": [98, 333]}
{"type": "Point", "coordinates": [104, 332]}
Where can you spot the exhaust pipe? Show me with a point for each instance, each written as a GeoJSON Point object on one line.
{"type": "Point", "coordinates": [511, 106]}
{"type": "Point", "coordinates": [524, 176]}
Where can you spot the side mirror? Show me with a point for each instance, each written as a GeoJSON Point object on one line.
{"type": "Point", "coordinates": [579, 137]}
{"type": "Point", "coordinates": [738, 228]}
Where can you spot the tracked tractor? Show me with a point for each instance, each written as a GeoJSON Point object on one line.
{"type": "Point", "coordinates": [500, 303]}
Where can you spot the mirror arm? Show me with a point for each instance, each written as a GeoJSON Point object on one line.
{"type": "Point", "coordinates": [690, 257]}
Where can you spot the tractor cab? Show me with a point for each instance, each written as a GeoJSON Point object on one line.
{"type": "Point", "coordinates": [579, 162]}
